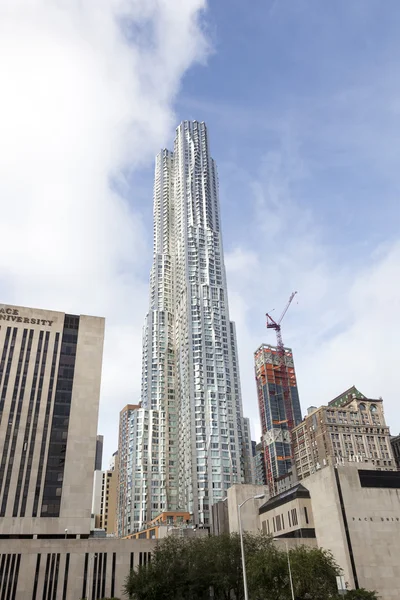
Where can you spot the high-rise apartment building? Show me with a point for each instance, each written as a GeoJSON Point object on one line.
{"type": "Point", "coordinates": [191, 416]}
{"type": "Point", "coordinates": [128, 439]}
{"type": "Point", "coordinates": [50, 370]}
{"type": "Point", "coordinates": [351, 428]}
{"type": "Point", "coordinates": [272, 377]}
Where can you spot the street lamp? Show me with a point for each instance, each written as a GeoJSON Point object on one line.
{"type": "Point", "coordinates": [289, 567]}
{"type": "Point", "coordinates": [66, 533]}
{"type": "Point", "coordinates": [257, 497]}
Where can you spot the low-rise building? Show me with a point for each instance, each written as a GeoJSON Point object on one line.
{"type": "Point", "coordinates": [68, 569]}
{"type": "Point", "coordinates": [355, 513]}
{"type": "Point", "coordinates": [288, 514]}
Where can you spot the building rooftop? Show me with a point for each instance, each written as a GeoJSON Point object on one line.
{"type": "Point", "coordinates": [298, 491]}
{"type": "Point", "coordinates": [347, 397]}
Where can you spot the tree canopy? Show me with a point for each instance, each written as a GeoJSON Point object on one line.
{"type": "Point", "coordinates": [210, 568]}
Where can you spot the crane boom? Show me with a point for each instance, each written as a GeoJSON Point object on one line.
{"type": "Point", "coordinates": [287, 307]}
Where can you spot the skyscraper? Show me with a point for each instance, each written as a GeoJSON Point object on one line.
{"type": "Point", "coordinates": [50, 373]}
{"type": "Point", "coordinates": [191, 399]}
{"type": "Point", "coordinates": [276, 436]}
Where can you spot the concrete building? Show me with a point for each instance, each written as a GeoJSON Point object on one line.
{"type": "Point", "coordinates": [192, 417]}
{"type": "Point", "coordinates": [351, 427]}
{"type": "Point", "coordinates": [237, 494]}
{"type": "Point", "coordinates": [96, 500]}
{"type": "Point", "coordinates": [289, 514]}
{"type": "Point", "coordinates": [351, 511]}
{"type": "Point", "coordinates": [98, 462]}
{"type": "Point", "coordinates": [272, 377]}
{"type": "Point", "coordinates": [220, 518]}
{"type": "Point", "coordinates": [395, 442]}
{"type": "Point", "coordinates": [108, 501]}
{"type": "Point", "coordinates": [68, 569]}
{"type": "Point", "coordinates": [50, 370]}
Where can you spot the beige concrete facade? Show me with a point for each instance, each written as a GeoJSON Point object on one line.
{"type": "Point", "coordinates": [237, 494]}
{"type": "Point", "coordinates": [69, 569]}
{"type": "Point", "coordinates": [50, 380]}
{"type": "Point", "coordinates": [289, 516]}
{"type": "Point", "coordinates": [96, 501]}
{"type": "Point", "coordinates": [353, 512]}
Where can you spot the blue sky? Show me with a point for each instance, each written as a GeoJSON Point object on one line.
{"type": "Point", "coordinates": [302, 101]}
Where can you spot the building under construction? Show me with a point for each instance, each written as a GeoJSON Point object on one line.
{"type": "Point", "coordinates": [279, 406]}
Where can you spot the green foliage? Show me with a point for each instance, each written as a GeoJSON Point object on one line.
{"type": "Point", "coordinates": [314, 573]}
{"type": "Point", "coordinates": [210, 568]}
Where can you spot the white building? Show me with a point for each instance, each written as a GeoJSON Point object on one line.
{"type": "Point", "coordinates": [191, 400]}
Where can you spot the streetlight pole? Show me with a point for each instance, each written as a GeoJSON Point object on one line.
{"type": "Point", "coordinates": [289, 566]}
{"type": "Point", "coordinates": [290, 569]}
{"type": "Point", "coordinates": [258, 497]}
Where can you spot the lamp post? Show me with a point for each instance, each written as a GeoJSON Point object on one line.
{"type": "Point", "coordinates": [257, 497]}
{"type": "Point", "coordinates": [289, 566]}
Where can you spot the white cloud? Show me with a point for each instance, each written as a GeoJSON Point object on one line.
{"type": "Point", "coordinates": [86, 96]}
{"type": "Point", "coordinates": [343, 326]}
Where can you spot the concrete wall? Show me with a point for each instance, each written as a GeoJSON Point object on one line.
{"type": "Point", "coordinates": [76, 498]}
{"type": "Point", "coordinates": [62, 566]}
{"type": "Point", "coordinates": [219, 518]}
{"type": "Point", "coordinates": [268, 519]}
{"type": "Point", "coordinates": [373, 517]}
{"type": "Point", "coordinates": [328, 522]}
{"type": "Point", "coordinates": [237, 494]}
{"type": "Point", "coordinates": [96, 499]}
{"type": "Point", "coordinates": [373, 522]}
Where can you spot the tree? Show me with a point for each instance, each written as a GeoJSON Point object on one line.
{"type": "Point", "coordinates": [268, 575]}
{"type": "Point", "coordinates": [314, 573]}
{"type": "Point", "coordinates": [200, 568]}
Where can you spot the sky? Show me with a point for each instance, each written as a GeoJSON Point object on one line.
{"type": "Point", "coordinates": [302, 102]}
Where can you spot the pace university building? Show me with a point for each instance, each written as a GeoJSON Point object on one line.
{"type": "Point", "coordinates": [50, 371]}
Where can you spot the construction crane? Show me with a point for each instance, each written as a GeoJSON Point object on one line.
{"type": "Point", "coordinates": [272, 324]}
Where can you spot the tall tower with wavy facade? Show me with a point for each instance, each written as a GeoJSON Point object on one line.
{"type": "Point", "coordinates": [194, 443]}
